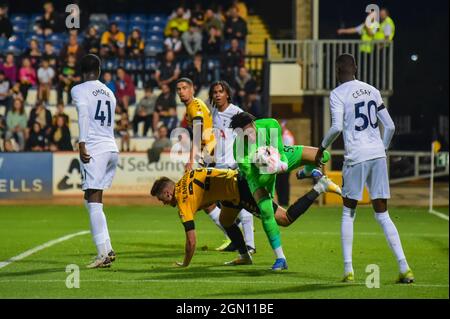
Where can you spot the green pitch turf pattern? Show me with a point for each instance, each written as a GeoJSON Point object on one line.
{"type": "Point", "coordinates": [148, 240]}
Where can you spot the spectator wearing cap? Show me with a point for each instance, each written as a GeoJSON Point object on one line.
{"type": "Point", "coordinates": [168, 72]}
{"type": "Point", "coordinates": [178, 21]}
{"type": "Point", "coordinates": [173, 43]}
{"type": "Point", "coordinates": [135, 44]}
{"type": "Point", "coordinates": [113, 42]}
{"type": "Point", "coordinates": [125, 90]}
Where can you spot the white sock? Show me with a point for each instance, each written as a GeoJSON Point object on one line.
{"type": "Point", "coordinates": [97, 227]}
{"type": "Point", "coordinates": [391, 233]}
{"type": "Point", "coordinates": [279, 252]}
{"type": "Point", "coordinates": [214, 215]}
{"type": "Point", "coordinates": [348, 217]}
{"type": "Point", "coordinates": [247, 226]}
{"type": "Point", "coordinates": [108, 240]}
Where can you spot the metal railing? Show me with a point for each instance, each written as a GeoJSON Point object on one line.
{"type": "Point", "coordinates": [317, 59]}
{"type": "Point", "coordinates": [405, 166]}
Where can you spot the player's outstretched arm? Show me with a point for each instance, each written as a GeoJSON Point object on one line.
{"type": "Point", "coordinates": [189, 248]}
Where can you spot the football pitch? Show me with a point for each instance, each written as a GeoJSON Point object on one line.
{"type": "Point", "coordinates": [148, 240]}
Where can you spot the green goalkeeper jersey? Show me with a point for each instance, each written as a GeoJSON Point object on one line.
{"type": "Point", "coordinates": [269, 133]}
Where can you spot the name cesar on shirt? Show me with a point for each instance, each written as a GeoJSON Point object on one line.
{"type": "Point", "coordinates": [360, 92]}
{"type": "Point", "coordinates": [100, 91]}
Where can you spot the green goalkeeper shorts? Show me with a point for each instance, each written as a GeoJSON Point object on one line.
{"type": "Point", "coordinates": [294, 156]}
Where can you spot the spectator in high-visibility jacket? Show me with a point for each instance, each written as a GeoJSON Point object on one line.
{"type": "Point", "coordinates": [386, 31]}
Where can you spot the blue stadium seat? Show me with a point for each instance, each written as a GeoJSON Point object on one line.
{"type": "Point", "coordinates": [150, 64]}
{"type": "Point", "coordinates": [20, 28]}
{"type": "Point", "coordinates": [155, 28]}
{"type": "Point", "coordinates": [118, 18]}
{"type": "Point", "coordinates": [157, 18]}
{"type": "Point", "coordinates": [19, 18]}
{"type": "Point", "coordinates": [153, 48]}
{"type": "Point", "coordinates": [136, 25]}
{"type": "Point", "coordinates": [35, 17]}
{"type": "Point", "coordinates": [138, 18]}
{"type": "Point", "coordinates": [122, 25]}
{"type": "Point", "coordinates": [40, 38]}
{"type": "Point", "coordinates": [110, 64]}
{"type": "Point", "coordinates": [131, 65]}
{"type": "Point", "coordinates": [14, 49]}
{"type": "Point", "coordinates": [58, 37]}
{"type": "Point", "coordinates": [156, 37]}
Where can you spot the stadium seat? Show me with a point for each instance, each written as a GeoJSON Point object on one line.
{"type": "Point", "coordinates": [19, 17]}
{"type": "Point", "coordinates": [122, 25]}
{"type": "Point", "coordinates": [136, 25]}
{"type": "Point", "coordinates": [157, 37]}
{"type": "Point", "coordinates": [99, 17]}
{"type": "Point", "coordinates": [150, 64]}
{"type": "Point", "coordinates": [155, 28]}
{"type": "Point", "coordinates": [118, 18]}
{"type": "Point", "coordinates": [157, 19]}
{"type": "Point", "coordinates": [153, 48]}
{"type": "Point", "coordinates": [138, 18]}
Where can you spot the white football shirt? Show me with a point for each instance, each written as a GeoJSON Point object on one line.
{"type": "Point", "coordinates": [96, 107]}
{"type": "Point", "coordinates": [225, 136]}
{"type": "Point", "coordinates": [356, 104]}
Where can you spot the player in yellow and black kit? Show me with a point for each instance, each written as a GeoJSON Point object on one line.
{"type": "Point", "coordinates": [202, 187]}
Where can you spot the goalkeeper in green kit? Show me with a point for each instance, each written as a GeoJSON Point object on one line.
{"type": "Point", "coordinates": [260, 154]}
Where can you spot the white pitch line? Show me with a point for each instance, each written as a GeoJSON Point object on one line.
{"type": "Point", "coordinates": [265, 282]}
{"type": "Point", "coordinates": [40, 247]}
{"type": "Point", "coordinates": [440, 215]}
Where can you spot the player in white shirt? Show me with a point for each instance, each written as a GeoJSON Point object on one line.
{"type": "Point", "coordinates": [96, 106]}
{"type": "Point", "coordinates": [356, 110]}
{"type": "Point", "coordinates": [220, 95]}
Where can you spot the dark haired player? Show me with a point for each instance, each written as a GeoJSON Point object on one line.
{"type": "Point", "coordinates": [96, 106]}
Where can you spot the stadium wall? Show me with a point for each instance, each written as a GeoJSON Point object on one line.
{"type": "Point", "coordinates": [53, 175]}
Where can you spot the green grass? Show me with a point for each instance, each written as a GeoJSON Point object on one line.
{"type": "Point", "coordinates": [148, 240]}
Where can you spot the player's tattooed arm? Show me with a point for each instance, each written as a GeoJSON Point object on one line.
{"type": "Point", "coordinates": [189, 248]}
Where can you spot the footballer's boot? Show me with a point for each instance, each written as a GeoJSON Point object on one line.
{"type": "Point", "coordinates": [349, 277]}
{"type": "Point", "coordinates": [280, 264]}
{"type": "Point", "coordinates": [406, 278]}
{"type": "Point", "coordinates": [112, 255]}
{"type": "Point", "coordinates": [241, 260]}
{"type": "Point", "coordinates": [100, 262]}
{"type": "Point", "coordinates": [327, 185]}
{"type": "Point", "coordinates": [315, 174]}
{"type": "Point", "coordinates": [251, 250]}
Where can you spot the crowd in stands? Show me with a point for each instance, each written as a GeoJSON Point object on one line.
{"type": "Point", "coordinates": [147, 52]}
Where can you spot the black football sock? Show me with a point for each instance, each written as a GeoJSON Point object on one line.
{"type": "Point", "coordinates": [301, 205]}
{"type": "Point", "coordinates": [237, 238]}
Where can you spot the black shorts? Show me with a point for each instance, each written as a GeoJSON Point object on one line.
{"type": "Point", "coordinates": [246, 201]}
